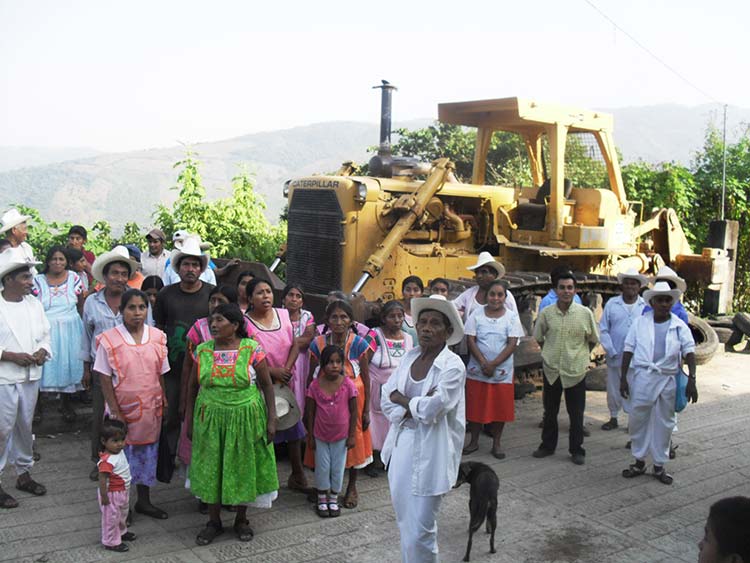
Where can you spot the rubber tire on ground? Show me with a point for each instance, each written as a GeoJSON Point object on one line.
{"type": "Point", "coordinates": [724, 333]}
{"type": "Point", "coordinates": [734, 339]}
{"type": "Point", "coordinates": [596, 379]}
{"type": "Point", "coordinates": [742, 322]}
{"type": "Point", "coordinates": [706, 339]}
{"type": "Point", "coordinates": [721, 322]}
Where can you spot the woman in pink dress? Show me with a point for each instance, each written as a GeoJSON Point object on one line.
{"type": "Point", "coordinates": [392, 344]}
{"type": "Point", "coordinates": [304, 331]}
{"type": "Point", "coordinates": [272, 328]}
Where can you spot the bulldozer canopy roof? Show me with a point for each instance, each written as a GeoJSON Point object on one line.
{"type": "Point", "coordinates": [522, 116]}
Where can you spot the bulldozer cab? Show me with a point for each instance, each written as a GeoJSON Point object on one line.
{"type": "Point", "coordinates": [541, 216]}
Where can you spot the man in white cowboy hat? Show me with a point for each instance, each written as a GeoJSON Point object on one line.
{"type": "Point", "coordinates": [566, 332]}
{"type": "Point", "coordinates": [177, 308]}
{"type": "Point", "coordinates": [101, 311]}
{"type": "Point", "coordinates": [619, 313]}
{"type": "Point", "coordinates": [13, 224]}
{"type": "Point", "coordinates": [667, 274]}
{"type": "Point", "coordinates": [24, 347]}
{"type": "Point", "coordinates": [486, 270]}
{"type": "Point", "coordinates": [170, 275]}
{"type": "Point", "coordinates": [424, 403]}
{"type": "Point", "coordinates": [655, 346]}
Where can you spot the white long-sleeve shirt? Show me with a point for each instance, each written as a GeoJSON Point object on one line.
{"type": "Point", "coordinates": [615, 324]}
{"type": "Point", "coordinates": [24, 328]}
{"type": "Point", "coordinates": [640, 341]}
{"type": "Point", "coordinates": [440, 421]}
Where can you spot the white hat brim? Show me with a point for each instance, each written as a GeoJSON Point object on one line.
{"type": "Point", "coordinates": [20, 219]}
{"type": "Point", "coordinates": [419, 304]}
{"type": "Point", "coordinates": [289, 414]}
{"type": "Point", "coordinates": [10, 266]}
{"type": "Point", "coordinates": [174, 259]}
{"type": "Point", "coordinates": [643, 280]}
{"type": "Point", "coordinates": [649, 294]}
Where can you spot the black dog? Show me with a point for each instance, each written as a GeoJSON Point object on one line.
{"type": "Point", "coordinates": [482, 499]}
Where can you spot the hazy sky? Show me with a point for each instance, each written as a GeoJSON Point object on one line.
{"type": "Point", "coordinates": [138, 74]}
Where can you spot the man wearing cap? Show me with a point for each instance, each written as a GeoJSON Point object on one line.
{"type": "Point", "coordinates": [24, 347]}
{"type": "Point", "coordinates": [154, 261]}
{"type": "Point", "coordinates": [101, 311]}
{"type": "Point", "coordinates": [566, 332]}
{"type": "Point", "coordinates": [13, 224]}
{"type": "Point", "coordinates": [424, 402]}
{"type": "Point", "coordinates": [655, 346]}
{"type": "Point", "coordinates": [177, 308]}
{"type": "Point", "coordinates": [617, 317]}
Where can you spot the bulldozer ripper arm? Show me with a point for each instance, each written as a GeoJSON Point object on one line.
{"type": "Point", "coordinates": [440, 171]}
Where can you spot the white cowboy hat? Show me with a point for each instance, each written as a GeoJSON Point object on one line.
{"type": "Point", "coordinates": [179, 237]}
{"type": "Point", "coordinates": [118, 254]}
{"type": "Point", "coordinates": [191, 246]}
{"type": "Point", "coordinates": [486, 259]}
{"type": "Point", "coordinates": [286, 407]}
{"type": "Point", "coordinates": [12, 218]}
{"type": "Point", "coordinates": [12, 259]}
{"type": "Point", "coordinates": [661, 288]}
{"type": "Point", "coordinates": [667, 273]}
{"type": "Point", "coordinates": [633, 274]}
{"type": "Point", "coordinates": [441, 304]}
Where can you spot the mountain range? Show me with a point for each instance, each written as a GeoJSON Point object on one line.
{"type": "Point", "coordinates": [85, 185]}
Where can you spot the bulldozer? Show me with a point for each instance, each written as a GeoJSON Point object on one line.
{"type": "Point", "coordinates": [366, 233]}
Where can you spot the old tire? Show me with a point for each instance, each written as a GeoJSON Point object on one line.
{"type": "Point", "coordinates": [742, 322]}
{"type": "Point", "coordinates": [596, 379]}
{"type": "Point", "coordinates": [725, 334]}
{"type": "Point", "coordinates": [723, 321]}
{"type": "Point", "coordinates": [706, 339]}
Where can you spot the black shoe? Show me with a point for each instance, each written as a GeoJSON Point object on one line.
{"type": "Point", "coordinates": [586, 433]}
{"type": "Point", "coordinates": [611, 424]}
{"type": "Point", "coordinates": [128, 536]}
{"type": "Point", "coordinates": [541, 452]}
{"type": "Point", "coordinates": [673, 450]}
{"type": "Point", "coordinates": [578, 459]}
{"type": "Point", "coordinates": [122, 548]}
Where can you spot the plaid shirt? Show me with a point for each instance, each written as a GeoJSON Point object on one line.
{"type": "Point", "coordinates": [565, 339]}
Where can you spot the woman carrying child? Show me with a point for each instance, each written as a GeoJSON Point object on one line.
{"type": "Point", "coordinates": [392, 344]}
{"type": "Point", "coordinates": [114, 486]}
{"type": "Point", "coordinates": [131, 360]}
{"type": "Point", "coordinates": [332, 422]}
{"type": "Point", "coordinates": [340, 332]}
{"type": "Point", "coordinates": [231, 425]}
{"type": "Point", "coordinates": [492, 334]}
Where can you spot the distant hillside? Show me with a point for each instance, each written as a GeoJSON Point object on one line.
{"type": "Point", "coordinates": [125, 186]}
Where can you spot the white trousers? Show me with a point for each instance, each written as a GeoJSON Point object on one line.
{"type": "Point", "coordinates": [17, 403]}
{"type": "Point", "coordinates": [615, 401]}
{"type": "Point", "coordinates": [652, 417]}
{"type": "Point", "coordinates": [416, 515]}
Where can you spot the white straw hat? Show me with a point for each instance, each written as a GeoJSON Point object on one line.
{"type": "Point", "coordinates": [441, 304]}
{"type": "Point", "coordinates": [661, 288]}
{"type": "Point", "coordinates": [191, 246]}
{"type": "Point", "coordinates": [486, 259]}
{"type": "Point", "coordinates": [117, 254]}
{"type": "Point", "coordinates": [13, 259]}
{"type": "Point", "coordinates": [287, 409]}
{"type": "Point", "coordinates": [12, 218]}
{"type": "Point", "coordinates": [633, 274]}
{"type": "Point", "coordinates": [667, 273]}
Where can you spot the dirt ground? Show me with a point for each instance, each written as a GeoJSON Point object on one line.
{"type": "Point", "coordinates": [549, 510]}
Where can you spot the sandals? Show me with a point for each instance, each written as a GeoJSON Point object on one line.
{"type": "Point", "coordinates": [7, 501]}
{"type": "Point", "coordinates": [673, 450]}
{"type": "Point", "coordinates": [295, 485]}
{"type": "Point", "coordinates": [469, 449]}
{"type": "Point", "coordinates": [151, 511]}
{"type": "Point", "coordinates": [333, 508]}
{"type": "Point", "coordinates": [322, 510]}
{"type": "Point", "coordinates": [662, 476]}
{"type": "Point", "coordinates": [30, 486]}
{"type": "Point", "coordinates": [497, 454]}
{"type": "Point", "coordinates": [351, 499]}
{"type": "Point", "coordinates": [634, 470]}
{"type": "Point", "coordinates": [128, 536]}
{"type": "Point", "coordinates": [122, 548]}
{"type": "Point", "coordinates": [611, 424]}
{"type": "Point", "coordinates": [209, 533]}
{"type": "Point", "coordinates": [243, 531]}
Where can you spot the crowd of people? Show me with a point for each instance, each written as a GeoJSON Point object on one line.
{"type": "Point", "coordinates": [217, 377]}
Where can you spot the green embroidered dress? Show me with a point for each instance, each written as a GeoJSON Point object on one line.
{"type": "Point", "coordinates": [231, 461]}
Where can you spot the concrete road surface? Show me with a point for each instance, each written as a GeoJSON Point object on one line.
{"type": "Point", "coordinates": [549, 509]}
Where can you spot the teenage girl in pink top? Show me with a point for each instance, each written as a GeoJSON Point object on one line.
{"type": "Point", "coordinates": [332, 421]}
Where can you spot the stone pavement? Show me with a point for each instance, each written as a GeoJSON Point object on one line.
{"type": "Point", "coordinates": [549, 509]}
